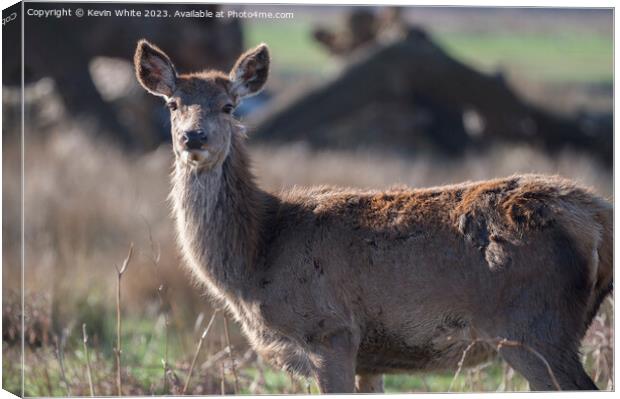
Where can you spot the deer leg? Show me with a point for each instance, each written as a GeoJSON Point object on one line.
{"type": "Point", "coordinates": [546, 319]}
{"type": "Point", "coordinates": [544, 348]}
{"type": "Point", "coordinates": [334, 363]}
{"type": "Point", "coordinates": [369, 383]}
{"type": "Point", "coordinates": [565, 369]}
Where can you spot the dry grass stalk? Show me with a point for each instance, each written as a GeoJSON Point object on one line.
{"type": "Point", "coordinates": [215, 358]}
{"type": "Point", "coordinates": [118, 349]}
{"type": "Point", "coordinates": [202, 338]}
{"type": "Point", "coordinates": [230, 353]}
{"type": "Point", "coordinates": [427, 388]}
{"type": "Point", "coordinates": [247, 357]}
{"type": "Point", "coordinates": [507, 376]}
{"type": "Point", "coordinates": [460, 364]}
{"type": "Point", "coordinates": [48, 381]}
{"type": "Point", "coordinates": [223, 378]}
{"type": "Point", "coordinates": [175, 383]}
{"type": "Point", "coordinates": [259, 379]}
{"type": "Point", "coordinates": [598, 347]}
{"type": "Point", "coordinates": [477, 377]}
{"type": "Point", "coordinates": [161, 294]}
{"type": "Point", "coordinates": [87, 356]}
{"type": "Point", "coordinates": [43, 361]}
{"type": "Point", "coordinates": [164, 360]}
{"type": "Point", "coordinates": [61, 363]}
{"type": "Point", "coordinates": [504, 342]}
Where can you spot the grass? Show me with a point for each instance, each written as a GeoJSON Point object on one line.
{"type": "Point", "coordinates": [489, 378]}
{"type": "Point", "coordinates": [293, 49]}
{"type": "Point", "coordinates": [553, 57]}
{"type": "Point", "coordinates": [143, 372]}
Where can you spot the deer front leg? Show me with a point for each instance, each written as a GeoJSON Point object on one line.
{"type": "Point", "coordinates": [334, 363]}
{"type": "Point", "coordinates": [369, 383]}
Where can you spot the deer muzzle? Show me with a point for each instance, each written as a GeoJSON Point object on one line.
{"type": "Point", "coordinates": [194, 139]}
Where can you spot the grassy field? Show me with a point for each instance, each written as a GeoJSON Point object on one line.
{"type": "Point", "coordinates": [557, 56]}
{"type": "Point", "coordinates": [292, 47]}
{"type": "Point", "coordinates": [76, 237]}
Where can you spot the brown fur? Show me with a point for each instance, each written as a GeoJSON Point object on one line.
{"type": "Point", "coordinates": [334, 282]}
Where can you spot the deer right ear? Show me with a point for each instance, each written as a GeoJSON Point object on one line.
{"type": "Point", "coordinates": [154, 70]}
{"type": "Point", "coordinates": [250, 72]}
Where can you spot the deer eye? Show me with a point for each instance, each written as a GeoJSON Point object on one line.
{"type": "Point", "coordinates": [172, 105]}
{"type": "Point", "coordinates": [228, 108]}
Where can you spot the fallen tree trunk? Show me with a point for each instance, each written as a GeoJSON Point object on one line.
{"type": "Point", "coordinates": [410, 95]}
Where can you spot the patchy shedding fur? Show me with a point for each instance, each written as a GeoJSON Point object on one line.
{"type": "Point", "coordinates": [333, 282]}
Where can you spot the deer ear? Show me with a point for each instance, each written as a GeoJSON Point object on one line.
{"type": "Point", "coordinates": [250, 72]}
{"type": "Point", "coordinates": [154, 70]}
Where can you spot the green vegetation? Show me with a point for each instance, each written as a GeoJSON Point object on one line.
{"type": "Point", "coordinates": [487, 378]}
{"type": "Point", "coordinates": [569, 57]}
{"type": "Point", "coordinates": [143, 372]}
{"type": "Point", "coordinates": [294, 51]}
{"type": "Point", "coordinates": [156, 361]}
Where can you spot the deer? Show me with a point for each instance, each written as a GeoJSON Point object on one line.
{"type": "Point", "coordinates": [345, 285]}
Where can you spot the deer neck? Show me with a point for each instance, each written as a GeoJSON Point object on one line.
{"type": "Point", "coordinates": [218, 215]}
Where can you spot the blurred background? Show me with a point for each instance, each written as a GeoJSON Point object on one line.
{"type": "Point", "coordinates": [358, 96]}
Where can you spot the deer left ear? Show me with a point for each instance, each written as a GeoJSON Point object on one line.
{"type": "Point", "coordinates": [250, 72]}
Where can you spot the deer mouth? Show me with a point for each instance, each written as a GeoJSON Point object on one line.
{"type": "Point", "coordinates": [194, 157]}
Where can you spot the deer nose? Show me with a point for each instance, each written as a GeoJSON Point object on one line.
{"type": "Point", "coordinates": [194, 139]}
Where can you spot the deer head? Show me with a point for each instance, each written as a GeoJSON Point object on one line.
{"type": "Point", "coordinates": [201, 104]}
